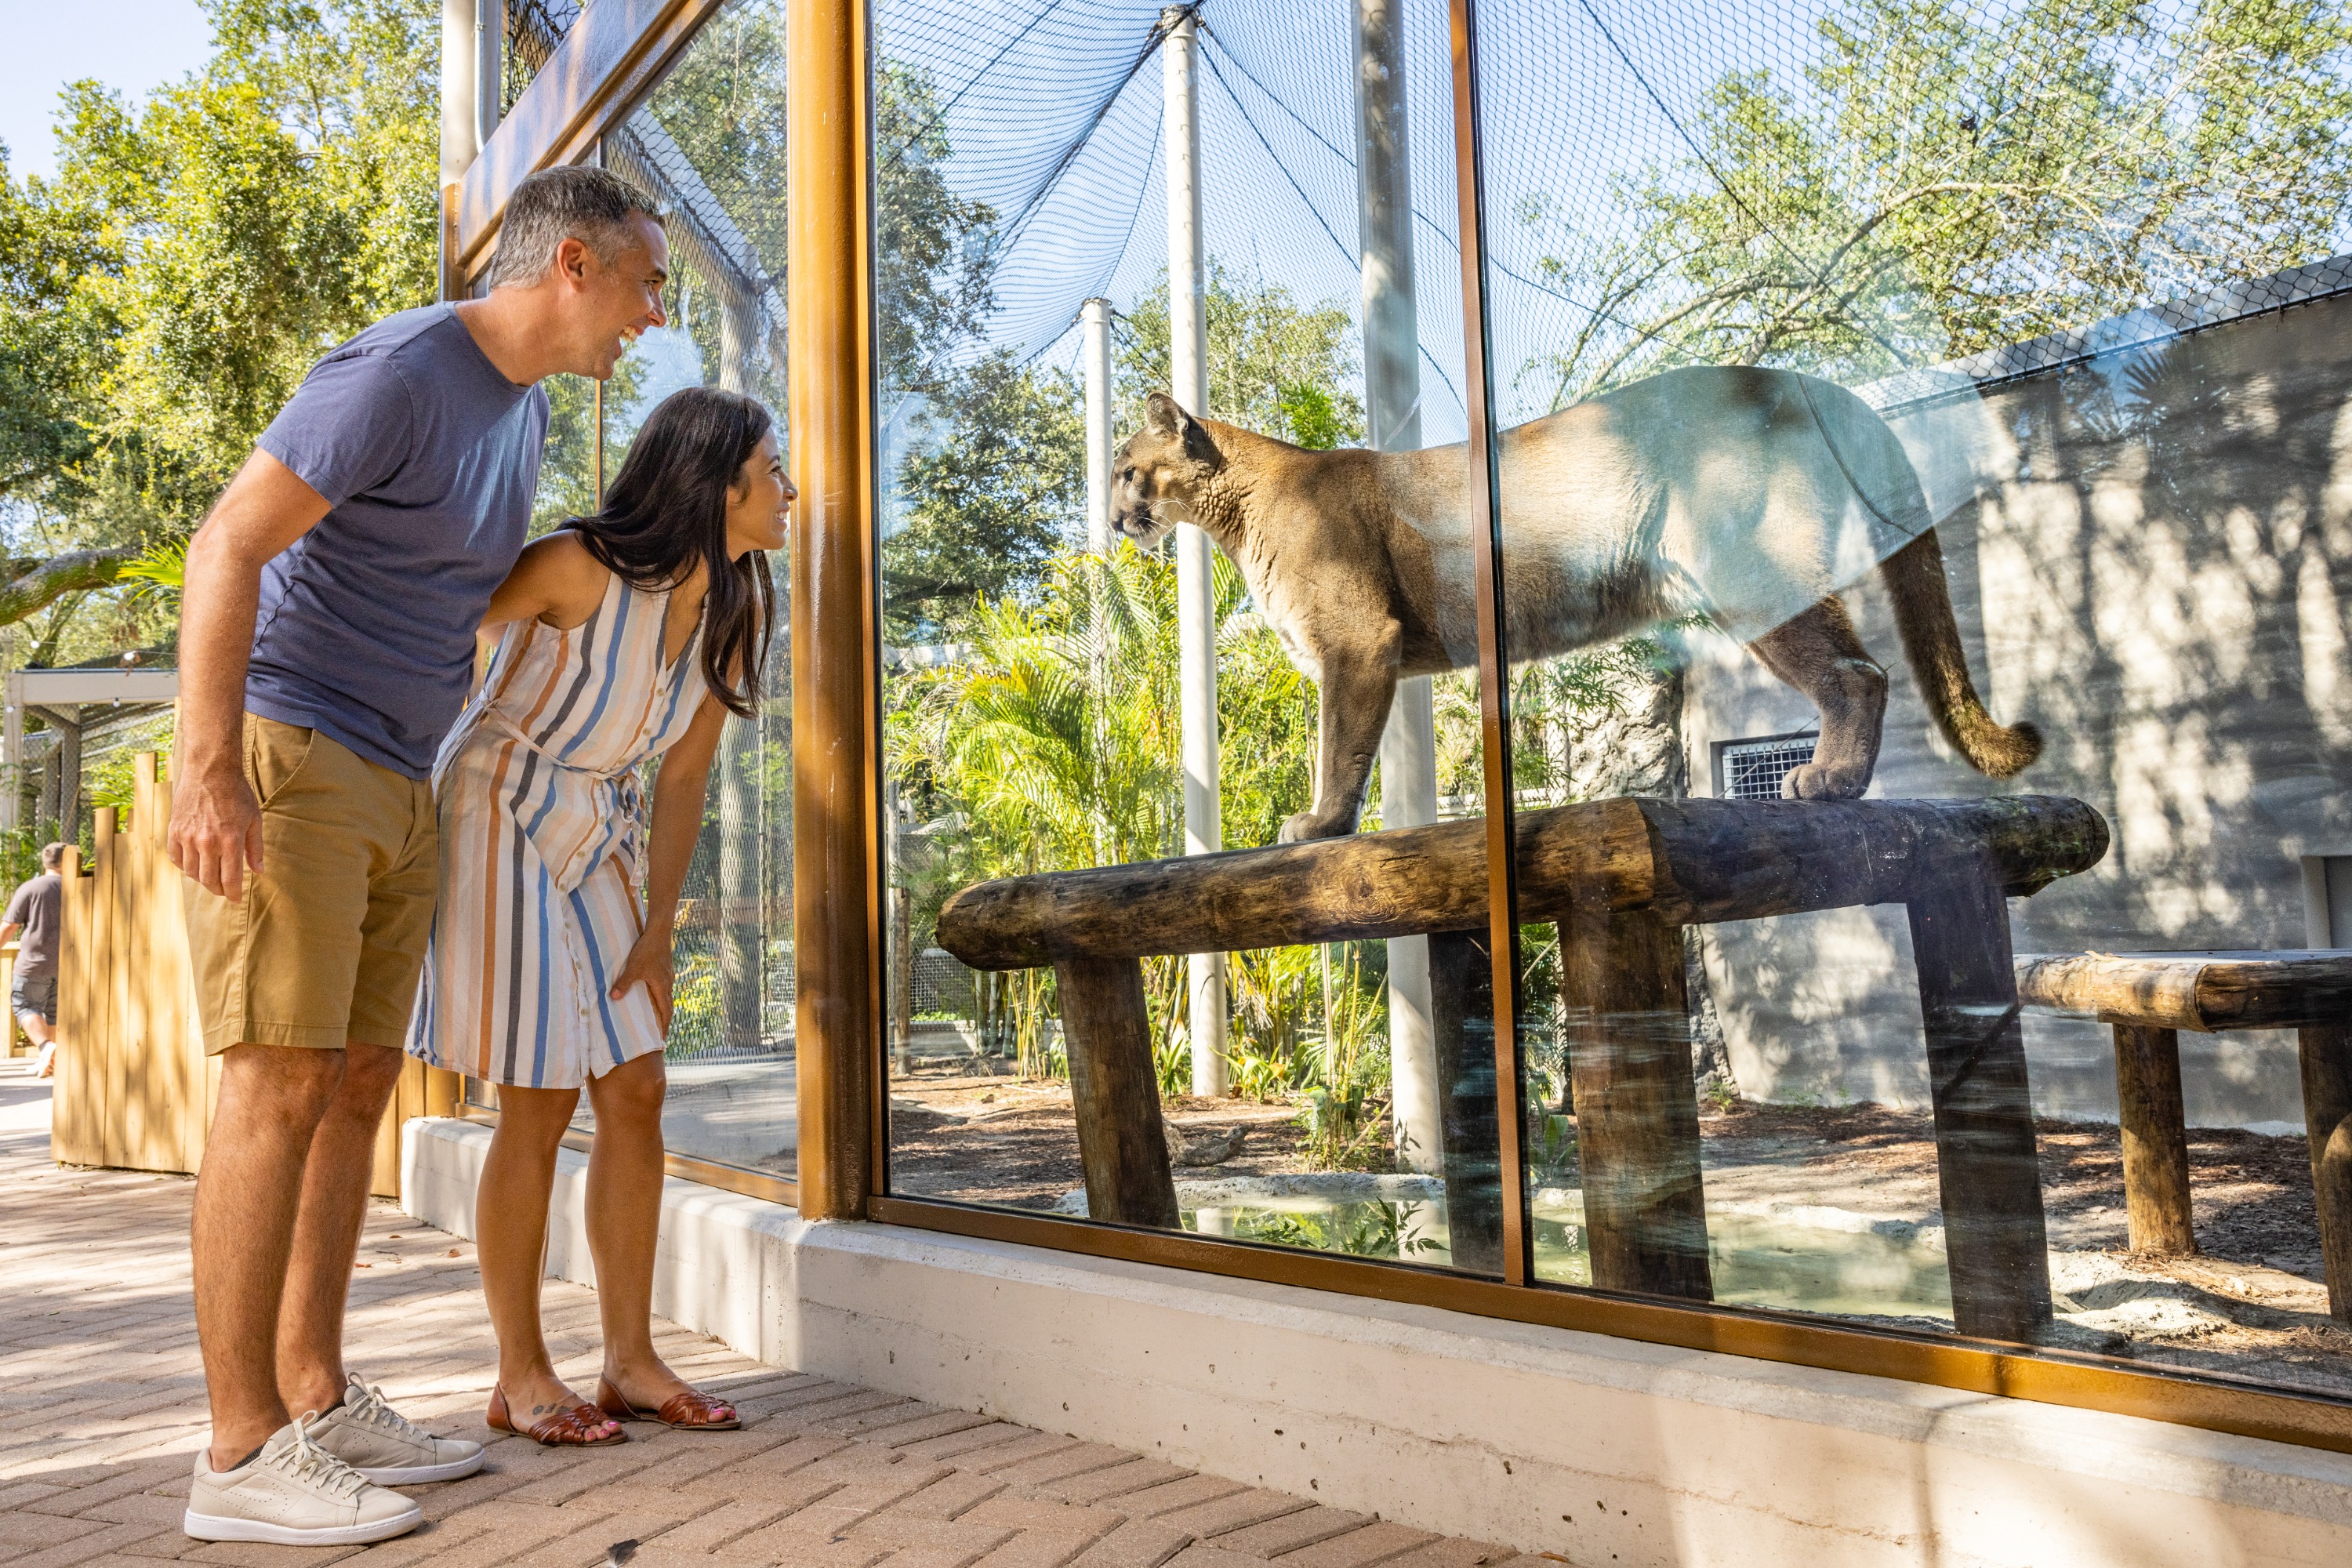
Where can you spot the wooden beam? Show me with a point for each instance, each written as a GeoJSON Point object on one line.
{"type": "Point", "coordinates": [2326, 1051]}
{"type": "Point", "coordinates": [1115, 1091]}
{"type": "Point", "coordinates": [1995, 1238]}
{"type": "Point", "coordinates": [835, 755]}
{"type": "Point", "coordinates": [1462, 1025]}
{"type": "Point", "coordinates": [1689, 861]}
{"type": "Point", "coordinates": [611, 56]}
{"type": "Point", "coordinates": [1636, 1107]}
{"type": "Point", "coordinates": [2156, 1140]}
{"type": "Point", "coordinates": [2201, 990]}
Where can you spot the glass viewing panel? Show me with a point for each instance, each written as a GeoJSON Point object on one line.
{"type": "Point", "coordinates": [1051, 679]}
{"type": "Point", "coordinates": [1923, 407]}
{"type": "Point", "coordinates": [710, 144]}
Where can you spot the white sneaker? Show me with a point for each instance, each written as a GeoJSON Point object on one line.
{"type": "Point", "coordinates": [384, 1446]}
{"type": "Point", "coordinates": [294, 1493]}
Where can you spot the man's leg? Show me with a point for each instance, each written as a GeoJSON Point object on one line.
{"type": "Point", "coordinates": [334, 1188]}
{"type": "Point", "coordinates": [44, 1033]}
{"type": "Point", "coordinates": [271, 1101]}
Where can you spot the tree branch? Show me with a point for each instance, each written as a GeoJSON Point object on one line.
{"type": "Point", "coordinates": [75, 572]}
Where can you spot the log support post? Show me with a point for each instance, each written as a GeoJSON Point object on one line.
{"type": "Point", "coordinates": [1122, 1141]}
{"type": "Point", "coordinates": [2155, 1140]}
{"type": "Point", "coordinates": [1995, 1238]}
{"type": "Point", "coordinates": [1628, 1025]}
{"type": "Point", "coordinates": [2326, 1050]}
{"type": "Point", "coordinates": [1462, 1024]}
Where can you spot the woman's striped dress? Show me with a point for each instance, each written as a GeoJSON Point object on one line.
{"type": "Point", "coordinates": [541, 827]}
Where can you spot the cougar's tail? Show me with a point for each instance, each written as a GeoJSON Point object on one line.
{"type": "Point", "coordinates": [1931, 641]}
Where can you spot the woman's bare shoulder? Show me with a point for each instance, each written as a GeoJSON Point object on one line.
{"type": "Point", "coordinates": [564, 580]}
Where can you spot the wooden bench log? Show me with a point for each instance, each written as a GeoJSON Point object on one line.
{"type": "Point", "coordinates": [1462, 1024]}
{"type": "Point", "coordinates": [2148, 998]}
{"type": "Point", "coordinates": [1688, 862]}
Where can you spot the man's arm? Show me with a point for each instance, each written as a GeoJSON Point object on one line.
{"type": "Point", "coordinates": [8, 933]}
{"type": "Point", "coordinates": [215, 829]}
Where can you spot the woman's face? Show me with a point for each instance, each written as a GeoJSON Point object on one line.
{"type": "Point", "coordinates": [758, 502]}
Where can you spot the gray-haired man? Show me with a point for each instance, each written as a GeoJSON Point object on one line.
{"type": "Point", "coordinates": [326, 645]}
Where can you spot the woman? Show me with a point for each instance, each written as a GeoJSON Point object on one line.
{"type": "Point", "coordinates": [629, 634]}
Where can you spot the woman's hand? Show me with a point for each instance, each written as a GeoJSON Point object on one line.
{"type": "Point", "coordinates": [649, 965]}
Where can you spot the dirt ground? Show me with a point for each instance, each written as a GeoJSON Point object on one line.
{"type": "Point", "coordinates": [2253, 1304]}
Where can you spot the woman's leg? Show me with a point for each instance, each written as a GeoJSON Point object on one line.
{"type": "Point", "coordinates": [511, 1237]}
{"type": "Point", "coordinates": [624, 1183]}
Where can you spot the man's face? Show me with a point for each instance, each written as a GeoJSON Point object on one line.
{"type": "Point", "coordinates": [607, 304]}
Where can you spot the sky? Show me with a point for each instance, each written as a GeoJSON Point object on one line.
{"type": "Point", "coordinates": [132, 45]}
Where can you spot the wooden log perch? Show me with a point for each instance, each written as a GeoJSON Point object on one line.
{"type": "Point", "coordinates": [1687, 861]}
{"type": "Point", "coordinates": [1462, 1025]}
{"type": "Point", "coordinates": [1122, 1139]}
{"type": "Point", "coordinates": [2201, 991]}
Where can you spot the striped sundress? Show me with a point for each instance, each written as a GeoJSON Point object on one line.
{"type": "Point", "coordinates": [541, 833]}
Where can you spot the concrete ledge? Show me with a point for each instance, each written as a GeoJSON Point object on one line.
{"type": "Point", "coordinates": [1599, 1450]}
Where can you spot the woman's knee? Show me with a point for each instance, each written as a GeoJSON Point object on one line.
{"type": "Point", "coordinates": [631, 1092]}
{"type": "Point", "coordinates": [532, 1122]}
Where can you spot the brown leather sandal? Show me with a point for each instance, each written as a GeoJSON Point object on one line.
{"type": "Point", "coordinates": [573, 1426]}
{"type": "Point", "coordinates": [689, 1410]}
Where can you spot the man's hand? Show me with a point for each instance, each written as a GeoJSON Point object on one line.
{"type": "Point", "coordinates": [216, 832]}
{"type": "Point", "coordinates": [650, 964]}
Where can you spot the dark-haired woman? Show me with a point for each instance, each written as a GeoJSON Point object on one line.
{"type": "Point", "coordinates": [628, 634]}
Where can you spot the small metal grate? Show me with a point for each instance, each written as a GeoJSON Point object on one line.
{"type": "Point", "coordinates": [1752, 770]}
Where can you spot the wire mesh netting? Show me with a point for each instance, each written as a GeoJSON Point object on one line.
{"type": "Point", "coordinates": [534, 29]}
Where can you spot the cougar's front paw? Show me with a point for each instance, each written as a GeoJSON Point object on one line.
{"type": "Point", "coordinates": [1305, 825]}
{"type": "Point", "coordinates": [1822, 781]}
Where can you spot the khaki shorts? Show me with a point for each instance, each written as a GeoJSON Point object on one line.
{"type": "Point", "coordinates": [326, 944]}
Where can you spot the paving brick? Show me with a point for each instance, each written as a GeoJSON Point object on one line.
{"type": "Point", "coordinates": [730, 1520]}
{"type": "Point", "coordinates": [1172, 1497]}
{"type": "Point", "coordinates": [1292, 1532]}
{"type": "Point", "coordinates": [1131, 1475]}
{"type": "Point", "coordinates": [1453, 1554]}
{"type": "Point", "coordinates": [1036, 1549]}
{"type": "Point", "coordinates": [970, 1439]}
{"type": "Point", "coordinates": [1138, 1543]}
{"type": "Point", "coordinates": [951, 1495]}
{"type": "Point", "coordinates": [939, 1424]}
{"type": "Point", "coordinates": [1214, 1519]}
{"type": "Point", "coordinates": [1060, 1464]}
{"type": "Point", "coordinates": [1375, 1543]}
{"type": "Point", "coordinates": [1201, 1555]}
{"type": "Point", "coordinates": [848, 1418]}
{"type": "Point", "coordinates": [939, 1537]}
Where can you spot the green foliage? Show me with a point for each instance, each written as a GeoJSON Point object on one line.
{"type": "Point", "coordinates": [934, 249]}
{"type": "Point", "coordinates": [1375, 1229]}
{"type": "Point", "coordinates": [1275, 366]}
{"type": "Point", "coordinates": [1946, 181]}
{"type": "Point", "coordinates": [990, 500]}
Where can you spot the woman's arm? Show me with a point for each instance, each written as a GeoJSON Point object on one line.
{"type": "Point", "coordinates": [554, 579]}
{"type": "Point", "coordinates": [679, 790]}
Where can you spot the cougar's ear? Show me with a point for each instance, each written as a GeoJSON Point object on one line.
{"type": "Point", "coordinates": [1162, 417]}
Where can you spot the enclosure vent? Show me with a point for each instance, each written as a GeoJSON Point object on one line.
{"type": "Point", "coordinates": [1752, 770]}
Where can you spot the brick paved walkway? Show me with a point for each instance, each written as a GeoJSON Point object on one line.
{"type": "Point", "coordinates": [101, 1408]}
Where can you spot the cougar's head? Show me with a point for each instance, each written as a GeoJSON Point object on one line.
{"type": "Point", "coordinates": [1155, 477]}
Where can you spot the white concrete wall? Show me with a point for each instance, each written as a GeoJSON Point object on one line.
{"type": "Point", "coordinates": [1600, 1450]}
{"type": "Point", "coordinates": [2151, 557]}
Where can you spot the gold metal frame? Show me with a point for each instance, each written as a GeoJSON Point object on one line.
{"type": "Point", "coordinates": [613, 55]}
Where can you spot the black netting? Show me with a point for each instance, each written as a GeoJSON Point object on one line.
{"type": "Point", "coordinates": [534, 28]}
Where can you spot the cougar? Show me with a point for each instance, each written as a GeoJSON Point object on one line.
{"type": "Point", "coordinates": [1748, 497]}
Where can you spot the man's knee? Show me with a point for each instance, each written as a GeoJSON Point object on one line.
{"type": "Point", "coordinates": [293, 1084]}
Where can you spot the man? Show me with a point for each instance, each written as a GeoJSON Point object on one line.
{"type": "Point", "coordinates": [33, 996]}
{"type": "Point", "coordinates": [326, 646]}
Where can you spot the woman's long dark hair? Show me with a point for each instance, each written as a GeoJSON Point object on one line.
{"type": "Point", "coordinates": [667, 510]}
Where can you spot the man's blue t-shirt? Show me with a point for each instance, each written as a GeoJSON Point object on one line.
{"type": "Point", "coordinates": [428, 459]}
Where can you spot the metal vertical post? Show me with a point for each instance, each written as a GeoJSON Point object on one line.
{"type": "Point", "coordinates": [1393, 407]}
{"type": "Point", "coordinates": [1093, 316]}
{"type": "Point", "coordinates": [490, 68]}
{"type": "Point", "coordinates": [11, 754]}
{"type": "Point", "coordinates": [1196, 608]}
{"type": "Point", "coordinates": [461, 139]}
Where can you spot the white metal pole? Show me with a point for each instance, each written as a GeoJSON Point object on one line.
{"type": "Point", "coordinates": [1188, 375]}
{"type": "Point", "coordinates": [490, 68]}
{"type": "Point", "coordinates": [461, 139]}
{"type": "Point", "coordinates": [1392, 405]}
{"type": "Point", "coordinates": [12, 753]}
{"type": "Point", "coordinates": [1094, 318]}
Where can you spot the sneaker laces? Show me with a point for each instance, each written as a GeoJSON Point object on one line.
{"type": "Point", "coordinates": [308, 1463]}
{"type": "Point", "coordinates": [367, 1406]}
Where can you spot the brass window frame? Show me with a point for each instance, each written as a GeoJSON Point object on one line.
{"type": "Point", "coordinates": [611, 59]}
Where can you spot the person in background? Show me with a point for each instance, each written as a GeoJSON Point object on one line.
{"type": "Point", "coordinates": [34, 999]}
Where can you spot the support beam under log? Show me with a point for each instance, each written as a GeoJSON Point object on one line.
{"type": "Point", "coordinates": [1122, 1140]}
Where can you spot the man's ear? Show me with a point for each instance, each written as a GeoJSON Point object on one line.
{"type": "Point", "coordinates": [571, 257]}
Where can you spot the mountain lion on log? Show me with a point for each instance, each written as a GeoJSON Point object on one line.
{"type": "Point", "coordinates": [1744, 495]}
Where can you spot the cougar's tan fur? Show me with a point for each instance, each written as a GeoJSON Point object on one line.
{"type": "Point", "coordinates": [1738, 493]}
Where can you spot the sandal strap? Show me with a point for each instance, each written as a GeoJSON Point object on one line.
{"type": "Point", "coordinates": [692, 1407]}
{"type": "Point", "coordinates": [574, 1426]}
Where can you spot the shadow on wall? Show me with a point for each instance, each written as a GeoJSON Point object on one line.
{"type": "Point", "coordinates": [2155, 567]}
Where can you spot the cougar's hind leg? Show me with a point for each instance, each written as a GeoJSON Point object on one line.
{"type": "Point", "coordinates": [1358, 686]}
{"type": "Point", "coordinates": [1819, 654]}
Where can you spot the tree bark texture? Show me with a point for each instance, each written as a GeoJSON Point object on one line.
{"type": "Point", "coordinates": [1122, 1140]}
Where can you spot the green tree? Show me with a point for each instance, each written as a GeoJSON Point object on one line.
{"type": "Point", "coordinates": [1947, 181]}
{"type": "Point", "coordinates": [1275, 366]}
